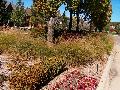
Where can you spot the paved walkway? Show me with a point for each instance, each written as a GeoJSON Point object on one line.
{"type": "Point", "coordinates": [115, 68]}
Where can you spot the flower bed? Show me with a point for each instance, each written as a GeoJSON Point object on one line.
{"type": "Point", "coordinates": [74, 81]}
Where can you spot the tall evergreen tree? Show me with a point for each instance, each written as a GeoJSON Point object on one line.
{"type": "Point", "coordinates": [9, 10]}
{"type": "Point", "coordinates": [2, 12]}
{"type": "Point", "coordinates": [18, 15]}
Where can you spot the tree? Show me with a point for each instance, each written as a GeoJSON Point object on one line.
{"type": "Point", "coordinates": [93, 11]}
{"type": "Point", "coordinates": [9, 10]}
{"type": "Point", "coordinates": [72, 7]}
{"type": "Point", "coordinates": [2, 12]}
{"type": "Point", "coordinates": [36, 17]}
{"type": "Point", "coordinates": [99, 12]}
{"type": "Point", "coordinates": [5, 12]}
{"type": "Point", "coordinates": [18, 15]}
{"type": "Point", "coordinates": [64, 20]}
{"type": "Point", "coordinates": [77, 14]}
{"type": "Point", "coordinates": [49, 8]}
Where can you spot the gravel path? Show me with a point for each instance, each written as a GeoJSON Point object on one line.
{"type": "Point", "coordinates": [115, 69]}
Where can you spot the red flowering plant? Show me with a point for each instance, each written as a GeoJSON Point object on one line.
{"type": "Point", "coordinates": [74, 81]}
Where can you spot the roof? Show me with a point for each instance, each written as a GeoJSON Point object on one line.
{"type": "Point", "coordinates": [28, 11]}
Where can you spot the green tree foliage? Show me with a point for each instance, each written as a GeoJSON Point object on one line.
{"type": "Point", "coordinates": [73, 7]}
{"type": "Point", "coordinates": [18, 15]}
{"type": "Point", "coordinates": [5, 12]}
{"type": "Point", "coordinates": [99, 12]}
{"type": "Point", "coordinates": [64, 20]}
{"type": "Point", "coordinates": [36, 17]}
{"type": "Point", "coordinates": [49, 9]}
{"type": "Point", "coordinates": [2, 11]}
{"type": "Point", "coordinates": [9, 10]}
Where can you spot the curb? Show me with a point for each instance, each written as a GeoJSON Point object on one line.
{"type": "Point", "coordinates": [104, 81]}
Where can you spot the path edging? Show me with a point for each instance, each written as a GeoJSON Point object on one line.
{"type": "Point", "coordinates": [104, 81]}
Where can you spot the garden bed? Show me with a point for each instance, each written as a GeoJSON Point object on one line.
{"type": "Point", "coordinates": [79, 78]}
{"type": "Point", "coordinates": [34, 64]}
{"type": "Point", "coordinates": [74, 78]}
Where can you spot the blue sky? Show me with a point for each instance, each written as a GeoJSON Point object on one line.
{"type": "Point", "coordinates": [27, 3]}
{"type": "Point", "coordinates": [115, 8]}
{"type": "Point", "coordinates": [115, 11]}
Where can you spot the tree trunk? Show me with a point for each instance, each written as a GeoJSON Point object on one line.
{"type": "Point", "coordinates": [91, 26]}
{"type": "Point", "coordinates": [100, 30]}
{"type": "Point", "coordinates": [77, 28]}
{"type": "Point", "coordinates": [50, 32]}
{"type": "Point", "coordinates": [70, 23]}
{"type": "Point", "coordinates": [95, 29]}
